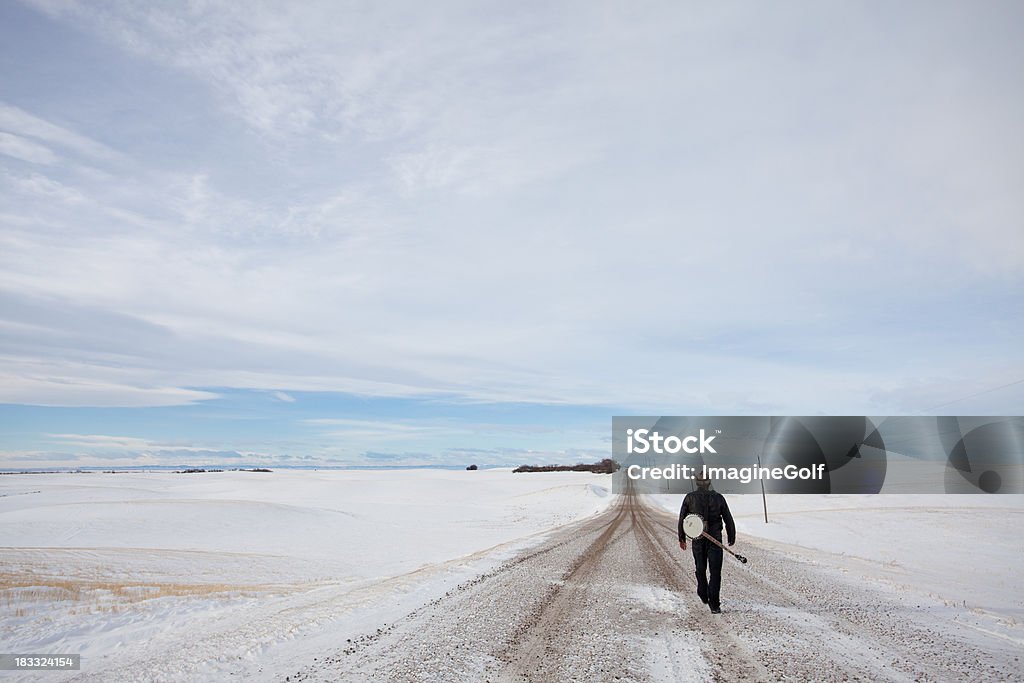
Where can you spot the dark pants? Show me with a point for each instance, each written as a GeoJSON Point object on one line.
{"type": "Point", "coordinates": [705, 554]}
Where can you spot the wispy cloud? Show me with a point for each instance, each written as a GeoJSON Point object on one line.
{"type": "Point", "coordinates": [103, 441]}
{"type": "Point", "coordinates": [17, 121]}
{"type": "Point", "coordinates": [26, 150]}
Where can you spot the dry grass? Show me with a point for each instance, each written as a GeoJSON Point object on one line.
{"type": "Point", "coordinates": [25, 592]}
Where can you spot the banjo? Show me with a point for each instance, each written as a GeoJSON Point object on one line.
{"type": "Point", "coordinates": [695, 527]}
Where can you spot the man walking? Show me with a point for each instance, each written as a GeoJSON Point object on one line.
{"type": "Point", "coordinates": [712, 507]}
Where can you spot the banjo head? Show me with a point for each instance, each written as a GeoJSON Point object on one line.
{"type": "Point", "coordinates": [693, 525]}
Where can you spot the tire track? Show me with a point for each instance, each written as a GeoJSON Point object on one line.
{"type": "Point", "coordinates": [534, 649]}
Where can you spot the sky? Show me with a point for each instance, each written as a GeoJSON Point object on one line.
{"type": "Point", "coordinates": [407, 233]}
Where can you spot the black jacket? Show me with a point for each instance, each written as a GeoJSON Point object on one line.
{"type": "Point", "coordinates": [712, 507]}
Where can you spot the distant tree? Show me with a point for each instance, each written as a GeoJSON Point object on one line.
{"type": "Point", "coordinates": [606, 466]}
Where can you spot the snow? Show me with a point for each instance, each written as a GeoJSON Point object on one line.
{"type": "Point", "coordinates": [670, 659]}
{"type": "Point", "coordinates": [222, 567]}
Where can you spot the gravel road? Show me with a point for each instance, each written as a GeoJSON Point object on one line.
{"type": "Point", "coordinates": [613, 598]}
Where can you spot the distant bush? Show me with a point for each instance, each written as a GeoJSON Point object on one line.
{"type": "Point", "coordinates": [606, 466]}
{"type": "Point", "coordinates": [472, 467]}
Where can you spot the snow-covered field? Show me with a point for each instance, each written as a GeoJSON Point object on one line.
{"type": "Point", "coordinates": [198, 576]}
{"type": "Point", "coordinates": [207, 569]}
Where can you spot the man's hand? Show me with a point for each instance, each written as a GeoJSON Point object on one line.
{"type": "Point", "coordinates": [682, 544]}
{"type": "Point", "coordinates": [732, 541]}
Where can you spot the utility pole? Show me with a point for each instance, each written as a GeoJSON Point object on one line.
{"type": "Point", "coordinates": [764, 498]}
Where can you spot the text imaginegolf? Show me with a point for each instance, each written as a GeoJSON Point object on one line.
{"type": "Point", "coordinates": [742, 474]}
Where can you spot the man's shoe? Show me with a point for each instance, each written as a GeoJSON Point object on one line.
{"type": "Point", "coordinates": [716, 610]}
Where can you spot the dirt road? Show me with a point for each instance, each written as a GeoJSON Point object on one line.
{"type": "Point", "coordinates": [613, 599]}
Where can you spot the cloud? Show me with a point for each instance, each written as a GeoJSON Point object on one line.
{"type": "Point", "coordinates": [348, 423]}
{"type": "Point", "coordinates": [38, 186]}
{"type": "Point", "coordinates": [34, 460]}
{"type": "Point", "coordinates": [769, 210]}
{"type": "Point", "coordinates": [397, 457]}
{"type": "Point", "coordinates": [355, 433]}
{"type": "Point", "coordinates": [26, 125]}
{"type": "Point", "coordinates": [98, 450]}
{"type": "Point", "coordinates": [70, 389]}
{"type": "Point", "coordinates": [102, 441]}
{"type": "Point", "coordinates": [26, 150]}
